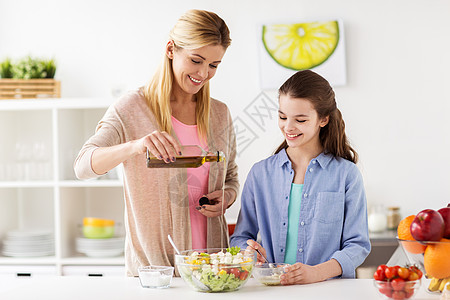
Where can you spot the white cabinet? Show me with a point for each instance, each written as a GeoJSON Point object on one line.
{"type": "Point", "coordinates": [39, 140]}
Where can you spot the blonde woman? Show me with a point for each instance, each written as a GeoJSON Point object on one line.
{"type": "Point", "coordinates": [173, 109]}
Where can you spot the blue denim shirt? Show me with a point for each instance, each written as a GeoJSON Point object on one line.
{"type": "Point", "coordinates": [333, 214]}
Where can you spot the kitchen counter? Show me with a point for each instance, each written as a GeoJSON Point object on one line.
{"type": "Point", "coordinates": [110, 288]}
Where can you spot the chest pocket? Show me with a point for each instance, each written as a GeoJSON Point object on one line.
{"type": "Point", "coordinates": [329, 207]}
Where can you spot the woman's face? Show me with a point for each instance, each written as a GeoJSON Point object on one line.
{"type": "Point", "coordinates": [299, 122]}
{"type": "Point", "coordinates": [193, 68]}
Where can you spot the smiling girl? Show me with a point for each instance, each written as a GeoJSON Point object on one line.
{"type": "Point", "coordinates": [307, 201]}
{"type": "Point", "coordinates": [173, 109]}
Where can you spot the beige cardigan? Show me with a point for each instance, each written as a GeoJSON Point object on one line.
{"type": "Point", "coordinates": [156, 200]}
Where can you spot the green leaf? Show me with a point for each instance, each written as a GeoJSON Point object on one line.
{"type": "Point", "coordinates": [234, 250]}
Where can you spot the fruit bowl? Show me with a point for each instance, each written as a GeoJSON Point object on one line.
{"type": "Point", "coordinates": [432, 258]}
{"type": "Point", "coordinates": [215, 269]}
{"type": "Point", "coordinates": [268, 273]}
{"type": "Point", "coordinates": [397, 289]}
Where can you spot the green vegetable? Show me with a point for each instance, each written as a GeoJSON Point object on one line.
{"type": "Point", "coordinates": [234, 250]}
{"type": "Point", "coordinates": [222, 282]}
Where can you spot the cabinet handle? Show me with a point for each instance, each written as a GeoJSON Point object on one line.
{"type": "Point", "coordinates": [95, 275]}
{"type": "Point", "coordinates": [23, 274]}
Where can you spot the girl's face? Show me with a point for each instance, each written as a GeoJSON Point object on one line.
{"type": "Point", "coordinates": [193, 68]}
{"type": "Point", "coordinates": [299, 122]}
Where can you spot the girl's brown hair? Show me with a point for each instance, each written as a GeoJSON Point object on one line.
{"type": "Point", "coordinates": [311, 86]}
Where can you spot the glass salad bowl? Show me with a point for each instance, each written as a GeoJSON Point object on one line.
{"type": "Point", "coordinates": [215, 269]}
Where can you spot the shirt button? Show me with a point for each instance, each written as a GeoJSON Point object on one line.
{"type": "Point", "coordinates": [311, 169]}
{"type": "Point", "coordinates": [305, 195]}
{"type": "Point", "coordinates": [281, 250]}
{"type": "Point", "coordinates": [300, 250]}
{"type": "Point", "coordinates": [302, 223]}
{"type": "Point", "coordinates": [287, 197]}
{"type": "Point", "coordinates": [314, 162]}
{"type": "Point", "coordinates": [284, 224]}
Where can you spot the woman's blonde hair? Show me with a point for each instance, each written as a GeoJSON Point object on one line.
{"type": "Point", "coordinates": [195, 29]}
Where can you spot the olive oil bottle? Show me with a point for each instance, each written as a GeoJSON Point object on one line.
{"type": "Point", "coordinates": [192, 156]}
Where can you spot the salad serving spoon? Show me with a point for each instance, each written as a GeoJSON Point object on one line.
{"type": "Point", "coordinates": [265, 259]}
{"type": "Point", "coordinates": [200, 285]}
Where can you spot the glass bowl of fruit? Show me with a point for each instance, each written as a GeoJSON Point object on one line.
{"type": "Point", "coordinates": [397, 282]}
{"type": "Point", "coordinates": [425, 240]}
{"type": "Point", "coordinates": [215, 269]}
{"type": "Point", "coordinates": [433, 258]}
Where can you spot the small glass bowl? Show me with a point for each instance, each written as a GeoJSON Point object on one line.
{"type": "Point", "coordinates": [155, 276]}
{"type": "Point", "coordinates": [268, 273]}
{"type": "Point", "coordinates": [387, 291]}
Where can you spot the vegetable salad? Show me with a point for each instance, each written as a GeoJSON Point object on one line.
{"type": "Point", "coordinates": [221, 271]}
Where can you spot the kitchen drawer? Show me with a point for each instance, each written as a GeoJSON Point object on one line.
{"type": "Point", "coordinates": [28, 271]}
{"type": "Point", "coordinates": [94, 271]}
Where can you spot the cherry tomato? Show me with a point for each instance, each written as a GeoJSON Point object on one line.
{"type": "Point", "coordinates": [399, 295]}
{"type": "Point", "coordinates": [409, 293]}
{"type": "Point", "coordinates": [403, 273]}
{"type": "Point", "coordinates": [398, 284]}
{"type": "Point", "coordinates": [382, 268]}
{"type": "Point", "coordinates": [417, 270]}
{"type": "Point", "coordinates": [379, 275]}
{"type": "Point", "coordinates": [244, 275]}
{"type": "Point", "coordinates": [386, 289]}
{"type": "Point", "coordinates": [391, 272]}
{"type": "Point", "coordinates": [413, 276]}
{"type": "Point", "coordinates": [235, 272]}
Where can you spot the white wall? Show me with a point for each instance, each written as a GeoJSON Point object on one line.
{"type": "Point", "coordinates": [395, 103]}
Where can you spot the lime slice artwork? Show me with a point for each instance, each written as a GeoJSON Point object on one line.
{"type": "Point", "coordinates": [301, 46]}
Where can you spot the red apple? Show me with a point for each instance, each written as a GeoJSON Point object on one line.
{"type": "Point", "coordinates": [445, 213]}
{"type": "Point", "coordinates": [428, 225]}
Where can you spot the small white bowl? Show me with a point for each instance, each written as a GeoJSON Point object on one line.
{"type": "Point", "coordinates": [155, 276]}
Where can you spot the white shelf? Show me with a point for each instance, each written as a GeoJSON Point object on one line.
{"type": "Point", "coordinates": [55, 103]}
{"type": "Point", "coordinates": [90, 183]}
{"type": "Point", "coordinates": [26, 184]}
{"type": "Point", "coordinates": [45, 260]}
{"type": "Point", "coordinates": [51, 197]}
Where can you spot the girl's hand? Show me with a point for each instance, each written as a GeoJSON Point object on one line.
{"type": "Point", "coordinates": [216, 198]}
{"type": "Point", "coordinates": [161, 144]}
{"type": "Point", "coordinates": [300, 274]}
{"type": "Point", "coordinates": [253, 245]}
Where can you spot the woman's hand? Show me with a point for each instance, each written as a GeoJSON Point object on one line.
{"type": "Point", "coordinates": [216, 198]}
{"type": "Point", "coordinates": [253, 245]}
{"type": "Point", "coordinates": [161, 144]}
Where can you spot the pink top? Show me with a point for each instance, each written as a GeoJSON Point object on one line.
{"type": "Point", "coordinates": [197, 181]}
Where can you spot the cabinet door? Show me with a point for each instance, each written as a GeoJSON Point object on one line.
{"type": "Point", "coordinates": [75, 127]}
{"type": "Point", "coordinates": [26, 152]}
{"type": "Point", "coordinates": [80, 202]}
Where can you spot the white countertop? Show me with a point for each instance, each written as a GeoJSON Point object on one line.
{"type": "Point", "coordinates": [124, 288]}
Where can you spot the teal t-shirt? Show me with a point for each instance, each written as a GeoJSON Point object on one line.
{"type": "Point", "coordinates": [293, 219]}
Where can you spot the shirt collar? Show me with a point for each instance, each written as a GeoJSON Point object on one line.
{"type": "Point", "coordinates": [323, 159]}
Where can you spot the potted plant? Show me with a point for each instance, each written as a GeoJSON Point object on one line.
{"type": "Point", "coordinates": [28, 78]}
